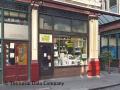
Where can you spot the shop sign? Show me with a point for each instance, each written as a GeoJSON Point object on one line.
{"type": "Point", "coordinates": [45, 38]}
{"type": "Point", "coordinates": [87, 3]}
{"type": "Point", "coordinates": [25, 1]}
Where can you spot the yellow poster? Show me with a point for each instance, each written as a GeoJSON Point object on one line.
{"type": "Point", "coordinates": [22, 54]}
{"type": "Point", "coordinates": [45, 38]}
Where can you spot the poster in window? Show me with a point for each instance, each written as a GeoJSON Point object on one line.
{"type": "Point", "coordinates": [12, 55]}
{"type": "Point", "coordinates": [45, 38]}
{"type": "Point", "coordinates": [22, 54]}
{"type": "Point", "coordinates": [12, 45]}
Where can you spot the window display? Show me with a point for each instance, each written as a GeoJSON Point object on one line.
{"type": "Point", "coordinates": [16, 53]}
{"type": "Point", "coordinates": [68, 50]}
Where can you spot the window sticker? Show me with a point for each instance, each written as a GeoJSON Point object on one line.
{"type": "Point", "coordinates": [12, 45]}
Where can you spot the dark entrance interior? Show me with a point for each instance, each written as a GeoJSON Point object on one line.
{"type": "Point", "coordinates": [46, 60]}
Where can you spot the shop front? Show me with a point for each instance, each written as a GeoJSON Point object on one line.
{"type": "Point", "coordinates": [15, 46]}
{"type": "Point", "coordinates": [14, 41]}
{"type": "Point", "coordinates": [63, 38]}
{"type": "Point", "coordinates": [110, 41]}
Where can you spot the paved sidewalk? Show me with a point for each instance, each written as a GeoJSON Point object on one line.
{"type": "Point", "coordinates": [71, 83]}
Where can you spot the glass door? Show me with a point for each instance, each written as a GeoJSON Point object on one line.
{"type": "Point", "coordinates": [46, 60]}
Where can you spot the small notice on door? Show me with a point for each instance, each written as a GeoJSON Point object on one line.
{"type": "Point", "coordinates": [12, 45]}
{"type": "Point", "coordinates": [45, 54]}
{"type": "Point", "coordinates": [49, 57]}
{"type": "Point", "coordinates": [49, 64]}
{"type": "Point", "coordinates": [11, 55]}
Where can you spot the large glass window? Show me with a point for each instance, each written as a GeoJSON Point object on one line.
{"type": "Point", "coordinates": [119, 47]}
{"type": "Point", "coordinates": [62, 24]}
{"type": "Point", "coordinates": [110, 5]}
{"type": "Point", "coordinates": [69, 50]}
{"type": "Point", "coordinates": [79, 26]}
{"type": "Point", "coordinates": [112, 45]}
{"type": "Point", "coordinates": [45, 22]}
{"type": "Point", "coordinates": [104, 43]}
{"type": "Point", "coordinates": [15, 25]}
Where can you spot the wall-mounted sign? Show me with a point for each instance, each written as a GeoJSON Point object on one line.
{"type": "Point", "coordinates": [26, 1]}
{"type": "Point", "coordinates": [45, 38]}
{"type": "Point", "coordinates": [86, 3]}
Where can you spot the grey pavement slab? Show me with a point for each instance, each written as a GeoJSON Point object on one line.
{"type": "Point", "coordinates": [70, 83]}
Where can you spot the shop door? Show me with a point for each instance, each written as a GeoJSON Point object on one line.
{"type": "Point", "coordinates": [15, 61]}
{"type": "Point", "coordinates": [46, 60]}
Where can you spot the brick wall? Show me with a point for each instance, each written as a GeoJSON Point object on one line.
{"type": "Point", "coordinates": [66, 71]}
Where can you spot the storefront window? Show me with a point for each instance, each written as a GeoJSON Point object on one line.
{"type": "Point", "coordinates": [79, 26]}
{"type": "Point", "coordinates": [119, 47]}
{"type": "Point", "coordinates": [15, 25]}
{"type": "Point", "coordinates": [112, 45]}
{"type": "Point", "coordinates": [62, 24]}
{"type": "Point", "coordinates": [104, 43]}
{"type": "Point", "coordinates": [68, 50]}
{"type": "Point", "coordinates": [45, 22]}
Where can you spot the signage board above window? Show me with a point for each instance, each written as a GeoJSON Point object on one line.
{"type": "Point", "coordinates": [87, 3]}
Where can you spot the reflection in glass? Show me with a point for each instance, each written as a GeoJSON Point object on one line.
{"type": "Point", "coordinates": [45, 22]}
{"type": "Point", "coordinates": [113, 6]}
{"type": "Point", "coordinates": [112, 45]}
{"type": "Point", "coordinates": [119, 47]}
{"type": "Point", "coordinates": [62, 24]}
{"type": "Point", "coordinates": [79, 26]}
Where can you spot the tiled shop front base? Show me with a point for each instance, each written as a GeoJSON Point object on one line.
{"type": "Point", "coordinates": [67, 71]}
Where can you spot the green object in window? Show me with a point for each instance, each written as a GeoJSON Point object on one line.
{"type": "Point", "coordinates": [70, 44]}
